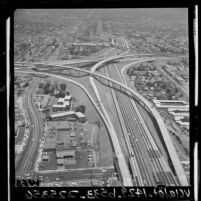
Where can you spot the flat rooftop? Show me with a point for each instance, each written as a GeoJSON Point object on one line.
{"type": "Point", "coordinates": [58, 125]}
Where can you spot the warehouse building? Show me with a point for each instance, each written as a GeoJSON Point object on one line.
{"type": "Point", "coordinates": [61, 107]}
{"type": "Point", "coordinates": [69, 116]}
{"type": "Point", "coordinates": [165, 104]}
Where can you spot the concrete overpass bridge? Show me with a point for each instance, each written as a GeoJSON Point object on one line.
{"type": "Point", "coordinates": [80, 62]}
{"type": "Point", "coordinates": [72, 71]}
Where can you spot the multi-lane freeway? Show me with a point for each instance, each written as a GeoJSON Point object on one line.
{"type": "Point", "coordinates": [152, 166]}
{"type": "Point", "coordinates": [147, 164]}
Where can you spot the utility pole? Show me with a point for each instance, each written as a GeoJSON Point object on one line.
{"type": "Point", "coordinates": [98, 134]}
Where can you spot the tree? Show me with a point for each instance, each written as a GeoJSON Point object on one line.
{"type": "Point", "coordinates": [63, 87]}
{"type": "Point", "coordinates": [26, 84]}
{"type": "Point", "coordinates": [80, 108]}
{"type": "Point", "coordinates": [61, 94]}
{"type": "Point", "coordinates": [40, 86]}
{"type": "Point", "coordinates": [46, 88]}
{"type": "Point", "coordinates": [168, 90]}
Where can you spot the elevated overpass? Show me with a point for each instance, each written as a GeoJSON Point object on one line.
{"type": "Point", "coordinates": [80, 61]}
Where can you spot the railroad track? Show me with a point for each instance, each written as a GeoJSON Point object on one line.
{"type": "Point", "coordinates": [34, 137]}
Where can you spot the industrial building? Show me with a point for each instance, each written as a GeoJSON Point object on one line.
{"type": "Point", "coordinates": [63, 104]}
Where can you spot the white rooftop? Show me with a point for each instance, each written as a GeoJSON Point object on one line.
{"type": "Point", "coordinates": [59, 106]}
{"type": "Point", "coordinates": [169, 101]}
{"type": "Point", "coordinates": [60, 114]}
{"type": "Point", "coordinates": [79, 114]}
{"type": "Point", "coordinates": [60, 100]}
{"type": "Point", "coordinates": [67, 97]}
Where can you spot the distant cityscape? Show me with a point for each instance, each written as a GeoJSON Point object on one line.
{"type": "Point", "coordinates": [101, 98]}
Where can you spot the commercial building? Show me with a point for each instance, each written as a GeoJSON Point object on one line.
{"type": "Point", "coordinates": [61, 107]}
{"type": "Point", "coordinates": [63, 104]}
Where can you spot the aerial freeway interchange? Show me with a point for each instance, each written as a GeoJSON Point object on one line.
{"type": "Point", "coordinates": [135, 130]}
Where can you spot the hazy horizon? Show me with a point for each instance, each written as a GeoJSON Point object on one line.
{"type": "Point", "coordinates": [172, 14]}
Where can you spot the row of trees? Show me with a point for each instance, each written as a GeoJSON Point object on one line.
{"type": "Point", "coordinates": [49, 89]}
{"type": "Point", "coordinates": [80, 108]}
